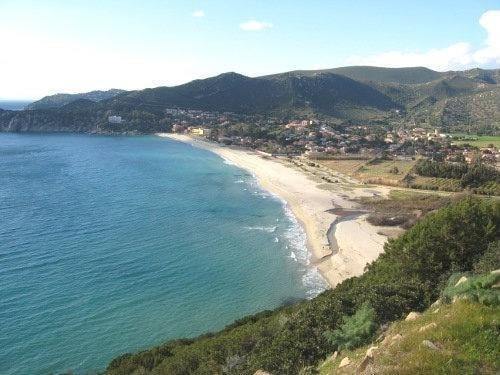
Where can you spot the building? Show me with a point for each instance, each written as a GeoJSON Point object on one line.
{"type": "Point", "coordinates": [115, 119]}
{"type": "Point", "coordinates": [202, 132]}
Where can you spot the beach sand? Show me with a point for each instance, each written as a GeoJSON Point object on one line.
{"type": "Point", "coordinates": [356, 242]}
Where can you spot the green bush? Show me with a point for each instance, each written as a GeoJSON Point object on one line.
{"type": "Point", "coordinates": [355, 330]}
{"type": "Point", "coordinates": [475, 288]}
{"type": "Point", "coordinates": [490, 260]}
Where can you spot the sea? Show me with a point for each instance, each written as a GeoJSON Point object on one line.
{"type": "Point", "coordinates": [113, 244]}
{"type": "Point", "coordinates": [14, 105]}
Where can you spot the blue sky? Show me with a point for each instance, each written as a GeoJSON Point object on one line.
{"type": "Point", "coordinates": [73, 46]}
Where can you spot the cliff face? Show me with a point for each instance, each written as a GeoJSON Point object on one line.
{"type": "Point", "coordinates": [47, 121]}
{"type": "Point", "coordinates": [81, 120]}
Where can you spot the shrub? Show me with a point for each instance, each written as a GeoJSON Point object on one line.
{"type": "Point", "coordinates": [355, 330]}
{"type": "Point", "coordinates": [490, 260]}
{"type": "Point", "coordinates": [475, 288]}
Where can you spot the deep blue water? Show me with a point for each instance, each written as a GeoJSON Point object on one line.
{"type": "Point", "coordinates": [113, 244]}
{"type": "Point", "coordinates": [15, 105]}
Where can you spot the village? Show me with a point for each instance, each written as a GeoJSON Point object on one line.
{"type": "Point", "coordinates": [322, 140]}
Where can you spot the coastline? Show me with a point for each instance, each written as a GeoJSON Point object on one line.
{"type": "Point", "coordinates": [355, 241]}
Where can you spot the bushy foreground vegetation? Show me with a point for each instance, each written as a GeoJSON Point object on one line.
{"type": "Point", "coordinates": [409, 276]}
{"type": "Point", "coordinates": [465, 335]}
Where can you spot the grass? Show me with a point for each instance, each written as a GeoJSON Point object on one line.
{"type": "Point", "coordinates": [479, 141]}
{"type": "Point", "coordinates": [385, 170]}
{"type": "Point", "coordinates": [466, 334]}
{"type": "Point", "coordinates": [345, 166]}
{"type": "Point", "coordinates": [377, 171]}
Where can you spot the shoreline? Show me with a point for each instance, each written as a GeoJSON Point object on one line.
{"type": "Point", "coordinates": [329, 234]}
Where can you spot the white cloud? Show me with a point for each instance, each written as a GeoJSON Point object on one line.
{"type": "Point", "coordinates": [490, 53]}
{"type": "Point", "coordinates": [460, 55]}
{"type": "Point", "coordinates": [253, 25]}
{"type": "Point", "coordinates": [198, 14]}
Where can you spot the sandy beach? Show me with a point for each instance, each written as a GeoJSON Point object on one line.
{"type": "Point", "coordinates": [355, 241]}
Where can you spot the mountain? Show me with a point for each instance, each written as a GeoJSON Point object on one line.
{"type": "Point", "coordinates": [377, 74]}
{"type": "Point", "coordinates": [59, 100]}
{"type": "Point", "coordinates": [326, 93]}
{"type": "Point", "coordinates": [468, 100]}
{"type": "Point", "coordinates": [455, 101]}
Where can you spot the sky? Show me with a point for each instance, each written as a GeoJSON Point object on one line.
{"type": "Point", "coordinates": [51, 46]}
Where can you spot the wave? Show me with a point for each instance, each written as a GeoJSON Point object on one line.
{"type": "Point", "coordinates": [264, 229]}
{"type": "Point", "coordinates": [314, 282]}
{"type": "Point", "coordinates": [295, 235]}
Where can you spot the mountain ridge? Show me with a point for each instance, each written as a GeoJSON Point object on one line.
{"type": "Point", "coordinates": [468, 99]}
{"type": "Point", "coordinates": [61, 99]}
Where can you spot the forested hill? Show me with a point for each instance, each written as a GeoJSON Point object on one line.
{"type": "Point", "coordinates": [324, 93]}
{"type": "Point", "coordinates": [359, 94]}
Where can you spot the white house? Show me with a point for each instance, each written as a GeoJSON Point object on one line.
{"type": "Point", "coordinates": [115, 119]}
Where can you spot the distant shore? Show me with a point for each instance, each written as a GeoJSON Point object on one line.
{"type": "Point", "coordinates": [355, 241]}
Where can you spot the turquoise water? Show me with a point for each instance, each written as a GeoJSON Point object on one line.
{"type": "Point", "coordinates": [113, 244]}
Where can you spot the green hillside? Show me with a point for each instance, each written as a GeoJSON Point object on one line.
{"type": "Point", "coordinates": [323, 93]}
{"type": "Point", "coordinates": [456, 338]}
{"type": "Point", "coordinates": [377, 74]}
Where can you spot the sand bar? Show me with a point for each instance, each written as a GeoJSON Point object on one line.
{"type": "Point", "coordinates": [356, 241]}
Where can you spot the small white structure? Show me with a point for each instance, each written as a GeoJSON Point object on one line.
{"type": "Point", "coordinates": [115, 119]}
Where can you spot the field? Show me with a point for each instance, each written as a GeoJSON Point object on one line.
{"type": "Point", "coordinates": [478, 141]}
{"type": "Point", "coordinates": [378, 171]}
{"type": "Point", "coordinates": [435, 183]}
{"type": "Point", "coordinates": [397, 173]}
{"type": "Point", "coordinates": [345, 166]}
{"type": "Point", "coordinates": [388, 171]}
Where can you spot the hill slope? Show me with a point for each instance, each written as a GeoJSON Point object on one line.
{"type": "Point", "coordinates": [459, 338]}
{"type": "Point", "coordinates": [379, 74]}
{"type": "Point", "coordinates": [59, 100]}
{"type": "Point", "coordinates": [324, 93]}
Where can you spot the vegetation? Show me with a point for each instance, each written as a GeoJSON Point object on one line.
{"type": "Point", "coordinates": [478, 177]}
{"type": "Point", "coordinates": [465, 334]}
{"type": "Point", "coordinates": [454, 101]}
{"type": "Point", "coordinates": [355, 330]}
{"type": "Point", "coordinates": [476, 288]}
{"type": "Point", "coordinates": [409, 276]}
{"type": "Point", "coordinates": [477, 140]}
{"type": "Point", "coordinates": [403, 208]}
